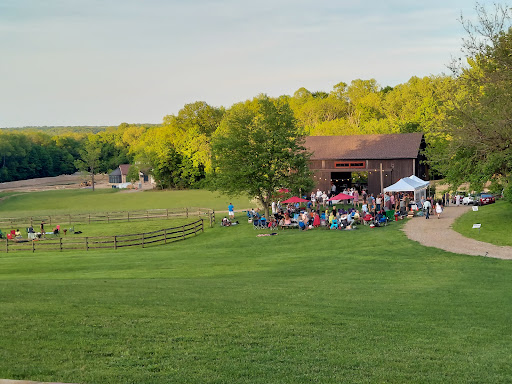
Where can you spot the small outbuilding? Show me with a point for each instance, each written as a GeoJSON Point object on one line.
{"type": "Point", "coordinates": [118, 175]}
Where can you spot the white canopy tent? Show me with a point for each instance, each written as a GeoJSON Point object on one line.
{"type": "Point", "coordinates": [410, 184]}
{"type": "Point", "coordinates": [416, 178]}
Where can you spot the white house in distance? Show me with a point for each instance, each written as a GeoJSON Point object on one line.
{"type": "Point", "coordinates": [118, 177]}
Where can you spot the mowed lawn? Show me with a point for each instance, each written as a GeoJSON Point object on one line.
{"type": "Point", "coordinates": [496, 220]}
{"type": "Point", "coordinates": [227, 306]}
{"type": "Point", "coordinates": [110, 200]}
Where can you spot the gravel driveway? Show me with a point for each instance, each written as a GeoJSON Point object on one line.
{"type": "Point", "coordinates": [438, 233]}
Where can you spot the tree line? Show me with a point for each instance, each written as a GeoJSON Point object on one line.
{"type": "Point", "coordinates": [178, 152]}
{"type": "Point", "coordinates": [465, 117]}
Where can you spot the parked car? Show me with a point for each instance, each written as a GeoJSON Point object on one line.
{"type": "Point", "coordinates": [484, 199]}
{"type": "Point", "coordinates": [468, 200]}
{"type": "Point", "coordinates": [461, 196]}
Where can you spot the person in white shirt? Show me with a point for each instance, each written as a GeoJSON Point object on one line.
{"type": "Point", "coordinates": [426, 208]}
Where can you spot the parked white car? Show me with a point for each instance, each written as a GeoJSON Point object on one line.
{"type": "Point", "coordinates": [468, 200]}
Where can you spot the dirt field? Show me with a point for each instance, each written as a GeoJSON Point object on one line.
{"type": "Point", "coordinates": [52, 183]}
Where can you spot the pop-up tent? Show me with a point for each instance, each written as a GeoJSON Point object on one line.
{"type": "Point", "coordinates": [341, 196]}
{"type": "Point", "coordinates": [294, 200]}
{"type": "Point", "coordinates": [410, 184]}
{"type": "Point", "coordinates": [417, 179]}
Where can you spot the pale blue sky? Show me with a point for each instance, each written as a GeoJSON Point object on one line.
{"type": "Point", "coordinates": [104, 62]}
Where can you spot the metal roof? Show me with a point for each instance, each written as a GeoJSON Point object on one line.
{"type": "Point", "coordinates": [364, 147]}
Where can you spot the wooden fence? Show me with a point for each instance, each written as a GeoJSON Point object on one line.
{"type": "Point", "coordinates": [159, 237]}
{"type": "Point", "coordinates": [88, 218]}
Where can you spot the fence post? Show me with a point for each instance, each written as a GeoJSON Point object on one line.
{"type": "Point", "coordinates": [86, 243]}
{"type": "Point", "coordinates": [211, 222]}
{"type": "Point", "coordinates": [165, 236]}
{"type": "Point", "coordinates": [69, 219]}
{"type": "Point", "coordinates": [108, 218]}
{"type": "Point", "coordinates": [128, 216]}
{"type": "Point", "coordinates": [89, 218]}
{"type": "Point", "coordinates": [202, 225]}
{"type": "Point", "coordinates": [50, 220]}
{"type": "Point", "coordinates": [33, 246]}
{"type": "Point", "coordinates": [167, 211]}
{"type": "Point", "coordinates": [6, 245]}
{"type": "Point", "coordinates": [115, 242]}
{"type": "Point", "coordinates": [60, 243]}
{"type": "Point", "coordinates": [142, 240]}
{"type": "Point", "coordinates": [186, 210]}
{"type": "Point", "coordinates": [31, 224]}
{"type": "Point", "coordinates": [183, 231]}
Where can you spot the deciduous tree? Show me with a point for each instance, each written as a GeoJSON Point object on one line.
{"type": "Point", "coordinates": [258, 149]}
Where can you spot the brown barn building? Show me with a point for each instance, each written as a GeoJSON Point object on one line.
{"type": "Point", "coordinates": [365, 161]}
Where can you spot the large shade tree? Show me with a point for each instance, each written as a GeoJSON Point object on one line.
{"type": "Point", "coordinates": [259, 149]}
{"type": "Point", "coordinates": [475, 143]}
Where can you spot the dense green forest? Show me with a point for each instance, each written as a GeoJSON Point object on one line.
{"type": "Point", "coordinates": [465, 117]}
{"type": "Point", "coordinates": [178, 151]}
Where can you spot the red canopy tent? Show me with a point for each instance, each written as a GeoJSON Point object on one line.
{"type": "Point", "coordinates": [341, 196]}
{"type": "Point", "coordinates": [293, 200]}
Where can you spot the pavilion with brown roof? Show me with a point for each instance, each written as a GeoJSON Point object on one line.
{"type": "Point", "coordinates": [370, 161]}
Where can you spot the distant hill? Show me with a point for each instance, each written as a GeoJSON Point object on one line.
{"type": "Point", "coordinates": [59, 130]}
{"type": "Point", "coordinates": [56, 130]}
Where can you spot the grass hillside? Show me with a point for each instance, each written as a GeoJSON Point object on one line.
{"type": "Point", "coordinates": [103, 200]}
{"type": "Point", "coordinates": [227, 306]}
{"type": "Point", "coordinates": [496, 220]}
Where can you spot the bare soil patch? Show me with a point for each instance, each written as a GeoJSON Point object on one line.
{"type": "Point", "coordinates": [52, 183]}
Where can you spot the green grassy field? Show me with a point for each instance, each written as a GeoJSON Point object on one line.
{"type": "Point", "coordinates": [103, 200]}
{"type": "Point", "coordinates": [496, 220]}
{"type": "Point", "coordinates": [227, 306]}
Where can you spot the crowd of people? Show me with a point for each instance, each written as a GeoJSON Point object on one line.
{"type": "Point", "coordinates": [320, 210]}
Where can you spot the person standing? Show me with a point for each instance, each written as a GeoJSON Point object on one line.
{"type": "Point", "coordinates": [378, 202]}
{"type": "Point", "coordinates": [356, 198]}
{"type": "Point", "coordinates": [426, 208]}
{"type": "Point", "coordinates": [231, 210]}
{"type": "Point", "coordinates": [439, 209]}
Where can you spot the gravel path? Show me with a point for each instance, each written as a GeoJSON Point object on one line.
{"type": "Point", "coordinates": [438, 233]}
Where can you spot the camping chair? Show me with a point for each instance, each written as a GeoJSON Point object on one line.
{"type": "Point", "coordinates": [334, 224]}
{"type": "Point", "coordinates": [383, 220]}
{"type": "Point", "coordinates": [56, 232]}
{"type": "Point", "coordinates": [258, 223]}
{"type": "Point", "coordinates": [367, 219]}
{"type": "Point", "coordinates": [390, 215]}
{"type": "Point", "coordinates": [272, 225]}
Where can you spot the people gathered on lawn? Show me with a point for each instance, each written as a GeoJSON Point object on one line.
{"type": "Point", "coordinates": [363, 209]}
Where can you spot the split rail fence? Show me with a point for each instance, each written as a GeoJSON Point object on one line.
{"type": "Point", "coordinates": [159, 237]}
{"type": "Point", "coordinates": [88, 218]}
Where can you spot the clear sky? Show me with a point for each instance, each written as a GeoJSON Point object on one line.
{"type": "Point", "coordinates": [104, 62]}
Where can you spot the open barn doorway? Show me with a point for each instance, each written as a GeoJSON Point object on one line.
{"type": "Point", "coordinates": [347, 180]}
